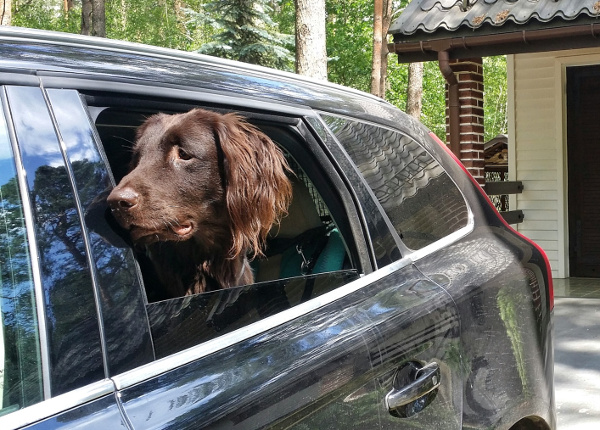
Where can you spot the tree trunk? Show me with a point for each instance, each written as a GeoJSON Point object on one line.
{"type": "Point", "coordinates": [377, 42]}
{"type": "Point", "coordinates": [311, 51]}
{"type": "Point", "coordinates": [6, 12]}
{"type": "Point", "coordinates": [86, 17]}
{"type": "Point", "coordinates": [386, 20]}
{"type": "Point", "coordinates": [414, 91]}
{"type": "Point", "coordinates": [98, 18]}
{"type": "Point", "coordinates": [382, 18]}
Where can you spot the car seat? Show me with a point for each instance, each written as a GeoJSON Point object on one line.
{"type": "Point", "coordinates": [302, 243]}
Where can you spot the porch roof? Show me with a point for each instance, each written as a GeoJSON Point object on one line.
{"type": "Point", "coordinates": [476, 28]}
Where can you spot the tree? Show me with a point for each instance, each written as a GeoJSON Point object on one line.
{"type": "Point", "coordinates": [5, 10]}
{"type": "Point", "coordinates": [377, 48]}
{"type": "Point", "coordinates": [349, 43]}
{"type": "Point", "coordinates": [311, 51]}
{"type": "Point", "coordinates": [173, 24]}
{"type": "Point", "coordinates": [93, 18]}
{"type": "Point", "coordinates": [98, 18]}
{"type": "Point", "coordinates": [86, 17]}
{"type": "Point", "coordinates": [382, 17]}
{"type": "Point", "coordinates": [494, 96]}
{"type": "Point", "coordinates": [414, 90]}
{"type": "Point", "coordinates": [246, 33]}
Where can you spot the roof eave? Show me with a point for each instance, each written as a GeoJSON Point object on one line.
{"type": "Point", "coordinates": [471, 45]}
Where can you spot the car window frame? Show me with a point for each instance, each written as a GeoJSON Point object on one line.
{"type": "Point", "coordinates": [32, 251]}
{"type": "Point", "coordinates": [295, 120]}
{"type": "Point", "coordinates": [33, 248]}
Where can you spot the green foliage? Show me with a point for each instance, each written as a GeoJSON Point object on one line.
{"type": "Point", "coordinates": [245, 32]}
{"type": "Point", "coordinates": [260, 32]}
{"type": "Point", "coordinates": [433, 113]}
{"type": "Point", "coordinates": [159, 23]}
{"type": "Point", "coordinates": [350, 43]}
{"type": "Point", "coordinates": [46, 15]}
{"type": "Point", "coordinates": [494, 98]}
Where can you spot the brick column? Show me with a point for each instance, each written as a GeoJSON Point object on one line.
{"type": "Point", "coordinates": [469, 73]}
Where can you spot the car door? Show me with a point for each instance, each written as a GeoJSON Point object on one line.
{"type": "Point", "coordinates": [327, 363]}
{"type": "Point", "coordinates": [52, 355]}
{"type": "Point", "coordinates": [377, 349]}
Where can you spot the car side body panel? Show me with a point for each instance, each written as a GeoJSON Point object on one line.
{"type": "Point", "coordinates": [341, 356]}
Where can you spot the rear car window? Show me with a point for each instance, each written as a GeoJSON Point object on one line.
{"type": "Point", "coordinates": [421, 201]}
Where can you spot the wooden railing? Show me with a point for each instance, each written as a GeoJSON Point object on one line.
{"type": "Point", "coordinates": [505, 188]}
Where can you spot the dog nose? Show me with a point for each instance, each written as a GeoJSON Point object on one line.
{"type": "Point", "coordinates": [124, 198]}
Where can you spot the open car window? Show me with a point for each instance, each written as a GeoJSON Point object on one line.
{"type": "Point", "coordinates": [310, 253]}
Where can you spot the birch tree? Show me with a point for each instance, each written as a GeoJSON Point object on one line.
{"type": "Point", "coordinates": [5, 7]}
{"type": "Point", "coordinates": [414, 90]}
{"type": "Point", "coordinates": [311, 51]}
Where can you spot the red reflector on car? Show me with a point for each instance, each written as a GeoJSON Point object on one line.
{"type": "Point", "coordinates": [535, 245]}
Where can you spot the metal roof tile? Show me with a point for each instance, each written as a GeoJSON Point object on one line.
{"type": "Point", "coordinates": [427, 5]}
{"type": "Point", "coordinates": [431, 15]}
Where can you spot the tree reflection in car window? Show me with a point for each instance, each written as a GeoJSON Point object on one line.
{"type": "Point", "coordinates": [20, 364]}
{"type": "Point", "coordinates": [71, 317]}
{"type": "Point", "coordinates": [123, 315]}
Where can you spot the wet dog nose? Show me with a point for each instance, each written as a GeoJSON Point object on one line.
{"type": "Point", "coordinates": [123, 198]}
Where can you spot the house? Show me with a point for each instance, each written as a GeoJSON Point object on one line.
{"type": "Point", "coordinates": [553, 62]}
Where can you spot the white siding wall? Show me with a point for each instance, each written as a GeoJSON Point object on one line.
{"type": "Point", "coordinates": [537, 146]}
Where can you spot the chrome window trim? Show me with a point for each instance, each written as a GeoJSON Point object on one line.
{"type": "Point", "coordinates": [56, 405]}
{"type": "Point", "coordinates": [33, 250]}
{"type": "Point", "coordinates": [163, 365]}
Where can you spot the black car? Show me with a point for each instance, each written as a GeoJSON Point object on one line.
{"type": "Point", "coordinates": [422, 310]}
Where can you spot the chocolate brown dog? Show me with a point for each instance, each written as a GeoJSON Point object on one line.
{"type": "Point", "coordinates": [202, 193]}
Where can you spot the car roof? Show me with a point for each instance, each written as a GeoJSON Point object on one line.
{"type": "Point", "coordinates": [72, 55]}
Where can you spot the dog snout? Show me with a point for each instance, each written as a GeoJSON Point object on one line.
{"type": "Point", "coordinates": [123, 199]}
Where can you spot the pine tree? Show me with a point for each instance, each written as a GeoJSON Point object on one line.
{"type": "Point", "coordinates": [246, 32]}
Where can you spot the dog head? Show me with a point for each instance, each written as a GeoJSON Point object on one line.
{"type": "Point", "coordinates": [202, 176]}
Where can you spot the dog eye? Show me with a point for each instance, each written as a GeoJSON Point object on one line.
{"type": "Point", "coordinates": [183, 155]}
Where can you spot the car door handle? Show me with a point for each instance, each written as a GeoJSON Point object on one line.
{"type": "Point", "coordinates": [426, 380]}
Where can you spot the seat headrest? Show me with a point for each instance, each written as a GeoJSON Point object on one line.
{"type": "Point", "coordinates": [302, 213]}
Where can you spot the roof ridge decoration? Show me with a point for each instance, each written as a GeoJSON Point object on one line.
{"type": "Point", "coordinates": [431, 15]}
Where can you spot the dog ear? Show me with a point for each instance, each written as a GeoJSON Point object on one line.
{"type": "Point", "coordinates": [258, 191]}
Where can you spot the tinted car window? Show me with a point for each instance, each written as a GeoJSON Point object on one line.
{"type": "Point", "coordinates": [415, 192]}
{"type": "Point", "coordinates": [72, 321]}
{"type": "Point", "coordinates": [384, 242]}
{"type": "Point", "coordinates": [20, 364]}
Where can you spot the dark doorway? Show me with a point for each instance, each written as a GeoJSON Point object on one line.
{"type": "Point", "coordinates": [583, 154]}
